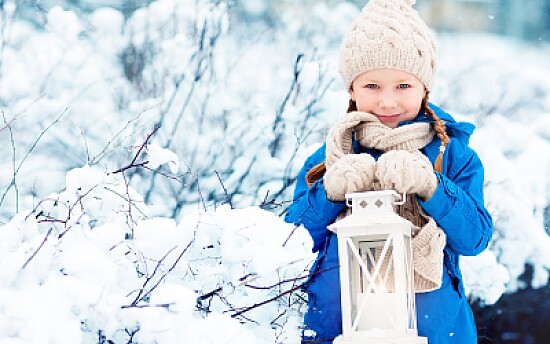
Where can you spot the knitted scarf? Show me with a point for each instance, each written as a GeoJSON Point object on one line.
{"type": "Point", "coordinates": [428, 239]}
{"type": "Point", "coordinates": [371, 133]}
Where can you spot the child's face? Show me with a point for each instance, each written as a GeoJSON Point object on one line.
{"type": "Point", "coordinates": [392, 95]}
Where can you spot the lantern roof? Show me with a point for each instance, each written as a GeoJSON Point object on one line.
{"type": "Point", "coordinates": [372, 212]}
{"type": "Point", "coordinates": [382, 218]}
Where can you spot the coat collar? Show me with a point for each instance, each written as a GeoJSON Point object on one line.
{"type": "Point", "coordinates": [460, 130]}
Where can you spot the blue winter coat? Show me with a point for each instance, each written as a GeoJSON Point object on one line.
{"type": "Point", "coordinates": [444, 315]}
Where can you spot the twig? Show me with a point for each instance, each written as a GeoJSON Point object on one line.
{"type": "Point", "coordinates": [159, 305]}
{"type": "Point", "coordinates": [16, 171]}
{"type": "Point", "coordinates": [295, 279]}
{"type": "Point", "coordinates": [7, 124]}
{"type": "Point", "coordinates": [98, 157]}
{"type": "Point", "coordinates": [133, 163]}
{"type": "Point", "coordinates": [142, 295]}
{"type": "Point", "coordinates": [37, 249]}
{"type": "Point", "coordinates": [228, 200]}
{"type": "Point", "coordinates": [176, 178]}
{"type": "Point", "coordinates": [133, 202]}
{"type": "Point", "coordinates": [290, 235]}
{"type": "Point", "coordinates": [256, 305]}
{"type": "Point", "coordinates": [12, 141]}
{"type": "Point", "coordinates": [259, 304]}
{"type": "Point", "coordinates": [276, 127]}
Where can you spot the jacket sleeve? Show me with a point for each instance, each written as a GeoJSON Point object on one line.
{"type": "Point", "coordinates": [457, 204]}
{"type": "Point", "coordinates": [310, 206]}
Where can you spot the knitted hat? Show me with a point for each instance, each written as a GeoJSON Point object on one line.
{"type": "Point", "coordinates": [388, 34]}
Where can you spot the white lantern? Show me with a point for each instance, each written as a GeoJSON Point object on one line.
{"type": "Point", "coordinates": [376, 273]}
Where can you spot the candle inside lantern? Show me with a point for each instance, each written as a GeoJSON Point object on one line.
{"type": "Point", "coordinates": [381, 311]}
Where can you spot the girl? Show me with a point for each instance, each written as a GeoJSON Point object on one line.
{"type": "Point", "coordinates": [393, 138]}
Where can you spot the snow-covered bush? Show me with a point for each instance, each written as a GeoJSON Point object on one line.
{"type": "Point", "coordinates": [88, 265]}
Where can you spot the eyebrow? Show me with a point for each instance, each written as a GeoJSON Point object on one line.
{"type": "Point", "coordinates": [408, 81]}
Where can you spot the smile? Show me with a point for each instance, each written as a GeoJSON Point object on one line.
{"type": "Point", "coordinates": [387, 117]}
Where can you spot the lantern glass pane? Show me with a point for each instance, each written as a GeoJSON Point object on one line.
{"type": "Point", "coordinates": [371, 253]}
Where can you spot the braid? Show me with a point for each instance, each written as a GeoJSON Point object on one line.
{"type": "Point", "coordinates": [439, 127]}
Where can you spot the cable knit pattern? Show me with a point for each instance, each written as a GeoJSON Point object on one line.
{"type": "Point", "coordinates": [406, 172]}
{"type": "Point", "coordinates": [351, 173]}
{"type": "Point", "coordinates": [370, 132]}
{"type": "Point", "coordinates": [339, 138]}
{"type": "Point", "coordinates": [409, 137]}
{"type": "Point", "coordinates": [388, 34]}
{"type": "Point", "coordinates": [427, 247]}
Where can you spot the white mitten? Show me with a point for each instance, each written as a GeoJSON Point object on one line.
{"type": "Point", "coordinates": [406, 172]}
{"type": "Point", "coordinates": [351, 173]}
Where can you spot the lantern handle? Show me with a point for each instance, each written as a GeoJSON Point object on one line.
{"type": "Point", "coordinates": [402, 200]}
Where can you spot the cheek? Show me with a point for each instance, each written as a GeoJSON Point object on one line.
{"type": "Point", "coordinates": [415, 103]}
{"type": "Point", "coordinates": [414, 107]}
{"type": "Point", "coordinates": [365, 104]}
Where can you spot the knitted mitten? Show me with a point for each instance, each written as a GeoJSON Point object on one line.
{"type": "Point", "coordinates": [351, 173]}
{"type": "Point", "coordinates": [406, 172]}
{"type": "Point", "coordinates": [427, 247]}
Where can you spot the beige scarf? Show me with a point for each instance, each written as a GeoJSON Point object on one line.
{"type": "Point", "coordinates": [428, 240]}
{"type": "Point", "coordinates": [371, 133]}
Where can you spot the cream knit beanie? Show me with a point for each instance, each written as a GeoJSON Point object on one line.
{"type": "Point", "coordinates": [388, 34]}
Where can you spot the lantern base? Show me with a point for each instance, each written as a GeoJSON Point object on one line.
{"type": "Point", "coordinates": [393, 340]}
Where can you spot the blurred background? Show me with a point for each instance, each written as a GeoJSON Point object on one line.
{"type": "Point", "coordinates": [526, 20]}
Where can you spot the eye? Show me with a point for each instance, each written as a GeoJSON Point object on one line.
{"type": "Point", "coordinates": [404, 86]}
{"type": "Point", "coordinates": [371, 86]}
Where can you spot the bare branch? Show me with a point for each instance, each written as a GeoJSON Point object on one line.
{"type": "Point", "coordinates": [290, 235]}
{"type": "Point", "coordinates": [133, 163]}
{"type": "Point", "coordinates": [142, 293]}
{"type": "Point", "coordinates": [16, 170]}
{"type": "Point", "coordinates": [228, 199]}
{"type": "Point", "coordinates": [99, 156]}
{"type": "Point", "coordinates": [158, 305]}
{"type": "Point", "coordinates": [38, 248]}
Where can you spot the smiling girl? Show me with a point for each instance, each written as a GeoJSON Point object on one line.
{"type": "Point", "coordinates": [393, 138]}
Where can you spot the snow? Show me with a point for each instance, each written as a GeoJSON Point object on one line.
{"type": "Point", "coordinates": [159, 156]}
{"type": "Point", "coordinates": [75, 279]}
{"type": "Point", "coordinates": [90, 255]}
{"type": "Point", "coordinates": [63, 23]}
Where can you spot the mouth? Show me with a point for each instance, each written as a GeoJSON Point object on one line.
{"type": "Point", "coordinates": [386, 118]}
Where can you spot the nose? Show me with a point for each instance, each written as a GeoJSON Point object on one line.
{"type": "Point", "coordinates": [387, 100]}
